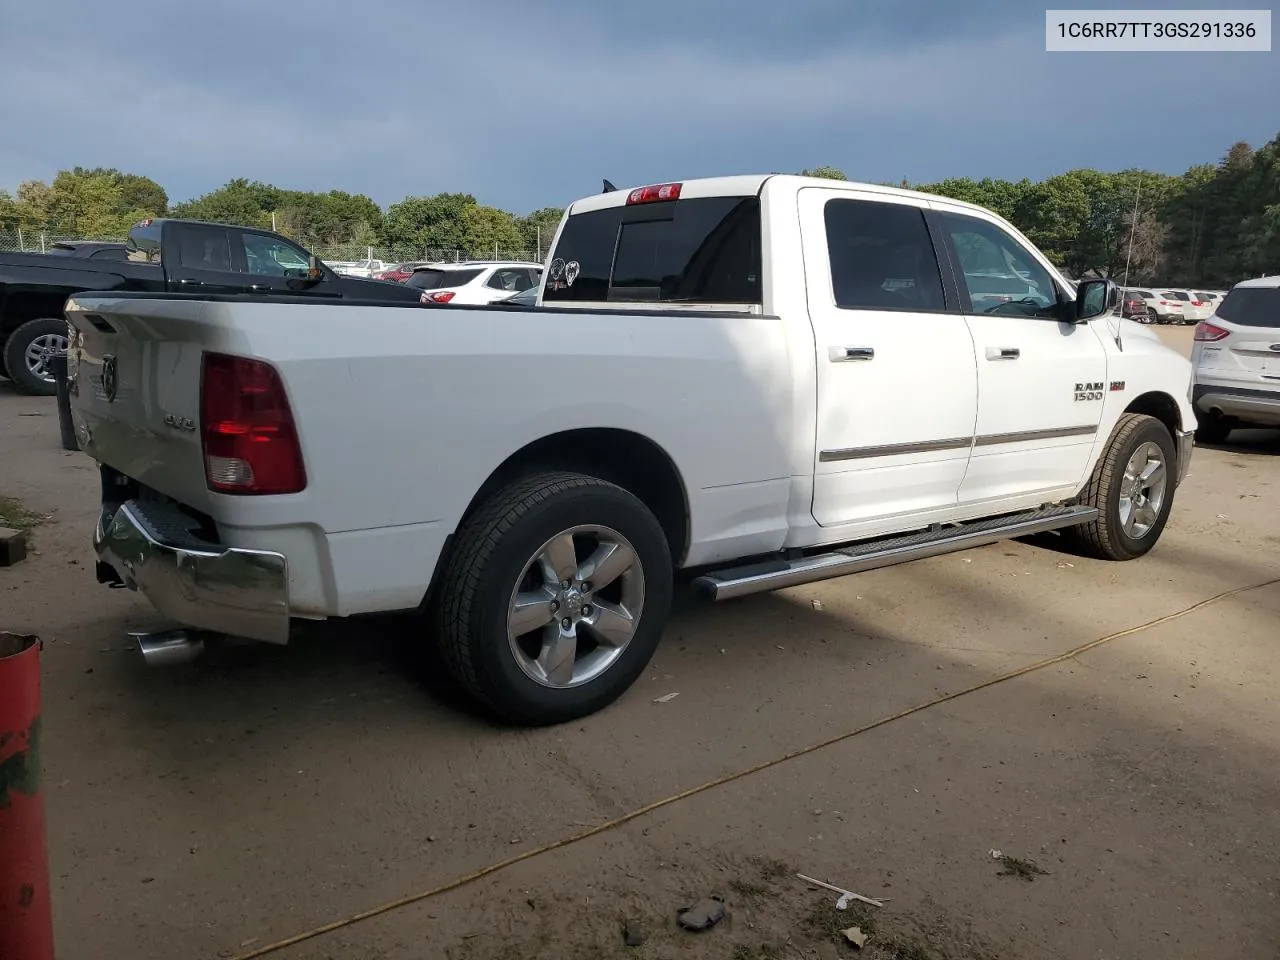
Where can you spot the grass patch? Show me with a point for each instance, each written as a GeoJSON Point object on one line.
{"type": "Point", "coordinates": [1022, 869]}
{"type": "Point", "coordinates": [15, 516]}
{"type": "Point", "coordinates": [825, 922]}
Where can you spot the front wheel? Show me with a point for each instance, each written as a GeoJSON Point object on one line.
{"type": "Point", "coordinates": [554, 598]}
{"type": "Point", "coordinates": [1132, 486]}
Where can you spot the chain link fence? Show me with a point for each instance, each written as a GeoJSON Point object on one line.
{"type": "Point", "coordinates": [41, 241]}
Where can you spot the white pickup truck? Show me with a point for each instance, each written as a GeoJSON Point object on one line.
{"type": "Point", "coordinates": [762, 380]}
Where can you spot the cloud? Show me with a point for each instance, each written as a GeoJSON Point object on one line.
{"type": "Point", "coordinates": [529, 106]}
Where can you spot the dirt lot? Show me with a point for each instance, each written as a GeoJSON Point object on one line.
{"type": "Point", "coordinates": [215, 809]}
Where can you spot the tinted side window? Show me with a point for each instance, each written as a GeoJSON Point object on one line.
{"type": "Point", "coordinates": [1144, 294]}
{"type": "Point", "coordinates": [511, 279]}
{"type": "Point", "coordinates": [269, 256]}
{"type": "Point", "coordinates": [999, 274]}
{"type": "Point", "coordinates": [1178, 295]}
{"type": "Point", "coordinates": [704, 250]}
{"type": "Point", "coordinates": [1252, 307]}
{"type": "Point", "coordinates": [881, 257]}
{"type": "Point", "coordinates": [204, 248]}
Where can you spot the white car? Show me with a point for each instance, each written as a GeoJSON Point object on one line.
{"type": "Point", "coordinates": [1162, 306]}
{"type": "Point", "coordinates": [765, 380]}
{"type": "Point", "coordinates": [1195, 306]}
{"type": "Point", "coordinates": [1236, 361]}
{"type": "Point", "coordinates": [474, 281]}
{"type": "Point", "coordinates": [357, 268]}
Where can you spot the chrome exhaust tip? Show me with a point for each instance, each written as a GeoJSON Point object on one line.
{"type": "Point", "coordinates": [166, 648]}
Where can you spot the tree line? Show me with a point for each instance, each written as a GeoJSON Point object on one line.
{"type": "Point", "coordinates": [1211, 226]}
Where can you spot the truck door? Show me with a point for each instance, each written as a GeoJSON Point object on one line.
{"type": "Point", "coordinates": [896, 372]}
{"type": "Point", "coordinates": [273, 265]}
{"type": "Point", "coordinates": [1041, 381]}
{"type": "Point", "coordinates": [198, 259]}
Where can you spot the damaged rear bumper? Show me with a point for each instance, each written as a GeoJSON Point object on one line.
{"type": "Point", "coordinates": [240, 593]}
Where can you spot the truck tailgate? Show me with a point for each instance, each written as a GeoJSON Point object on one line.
{"type": "Point", "coordinates": [134, 372]}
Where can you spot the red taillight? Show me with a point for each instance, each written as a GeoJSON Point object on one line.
{"type": "Point", "coordinates": [250, 442]}
{"type": "Point", "coordinates": [1197, 303]}
{"type": "Point", "coordinates": [438, 296]}
{"type": "Point", "coordinates": [654, 194]}
{"type": "Point", "coordinates": [1208, 332]}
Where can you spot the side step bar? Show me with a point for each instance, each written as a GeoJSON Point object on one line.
{"type": "Point", "coordinates": [778, 573]}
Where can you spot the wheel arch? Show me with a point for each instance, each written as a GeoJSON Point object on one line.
{"type": "Point", "coordinates": [1161, 406]}
{"type": "Point", "coordinates": [623, 457]}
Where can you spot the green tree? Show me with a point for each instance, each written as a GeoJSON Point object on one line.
{"type": "Point", "coordinates": [538, 229]}
{"type": "Point", "coordinates": [826, 173]}
{"type": "Point", "coordinates": [416, 224]}
{"type": "Point", "coordinates": [487, 231]}
{"type": "Point", "coordinates": [241, 202]}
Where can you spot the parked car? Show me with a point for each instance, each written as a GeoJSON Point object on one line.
{"type": "Point", "coordinates": [1236, 361]}
{"type": "Point", "coordinates": [1195, 307]}
{"type": "Point", "coordinates": [162, 254]}
{"type": "Point", "coordinates": [766, 380]}
{"type": "Point", "coordinates": [473, 281]}
{"type": "Point", "coordinates": [525, 298]}
{"type": "Point", "coordinates": [401, 272]}
{"type": "Point", "coordinates": [1162, 307]}
{"type": "Point", "coordinates": [357, 268]}
{"type": "Point", "coordinates": [1133, 307]}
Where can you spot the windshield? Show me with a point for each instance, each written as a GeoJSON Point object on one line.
{"type": "Point", "coordinates": [1252, 307]}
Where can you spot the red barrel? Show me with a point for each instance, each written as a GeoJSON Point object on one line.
{"type": "Point", "coordinates": [26, 916]}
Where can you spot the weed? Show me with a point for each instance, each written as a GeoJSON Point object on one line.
{"type": "Point", "coordinates": [17, 517]}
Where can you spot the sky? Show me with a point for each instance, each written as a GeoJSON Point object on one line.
{"type": "Point", "coordinates": [528, 105]}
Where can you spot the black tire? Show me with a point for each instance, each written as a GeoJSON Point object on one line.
{"type": "Point", "coordinates": [1152, 316]}
{"type": "Point", "coordinates": [491, 550]}
{"type": "Point", "coordinates": [1214, 429]}
{"type": "Point", "coordinates": [1106, 538]}
{"type": "Point", "coordinates": [15, 349]}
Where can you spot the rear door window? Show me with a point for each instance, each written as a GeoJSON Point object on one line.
{"type": "Point", "coordinates": [1252, 307]}
{"type": "Point", "coordinates": [882, 257]}
{"type": "Point", "coordinates": [1175, 295]}
{"type": "Point", "coordinates": [204, 248]}
{"type": "Point", "coordinates": [702, 250]}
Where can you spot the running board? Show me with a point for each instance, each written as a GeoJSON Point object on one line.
{"type": "Point", "coordinates": [778, 573]}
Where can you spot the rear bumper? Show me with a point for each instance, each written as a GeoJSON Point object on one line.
{"type": "Point", "coordinates": [1186, 443]}
{"type": "Point", "coordinates": [241, 593]}
{"type": "Point", "coordinates": [1249, 405]}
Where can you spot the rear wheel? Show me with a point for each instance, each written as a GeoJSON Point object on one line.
{"type": "Point", "coordinates": [1152, 316]}
{"type": "Point", "coordinates": [1132, 486]}
{"type": "Point", "coordinates": [554, 598]}
{"type": "Point", "coordinates": [29, 351]}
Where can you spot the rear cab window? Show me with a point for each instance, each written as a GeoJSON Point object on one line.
{"type": "Point", "coordinates": [695, 250]}
{"type": "Point", "coordinates": [1252, 307]}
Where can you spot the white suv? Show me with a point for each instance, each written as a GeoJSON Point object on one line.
{"type": "Point", "coordinates": [1236, 361]}
{"type": "Point", "coordinates": [474, 281]}
{"type": "Point", "coordinates": [1162, 305]}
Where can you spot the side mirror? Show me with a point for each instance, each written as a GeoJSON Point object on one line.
{"type": "Point", "coordinates": [314, 270]}
{"type": "Point", "coordinates": [1095, 298]}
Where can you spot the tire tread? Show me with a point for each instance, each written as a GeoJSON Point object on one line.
{"type": "Point", "coordinates": [1097, 538]}
{"type": "Point", "coordinates": [476, 540]}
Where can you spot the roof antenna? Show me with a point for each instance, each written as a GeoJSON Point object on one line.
{"type": "Point", "coordinates": [609, 187]}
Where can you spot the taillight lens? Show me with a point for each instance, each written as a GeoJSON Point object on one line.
{"type": "Point", "coordinates": [1208, 332]}
{"type": "Point", "coordinates": [250, 441]}
{"type": "Point", "coordinates": [438, 296]}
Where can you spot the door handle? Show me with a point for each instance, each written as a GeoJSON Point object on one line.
{"type": "Point", "coordinates": [188, 282]}
{"type": "Point", "coordinates": [259, 288]}
{"type": "Point", "coordinates": [843, 354]}
{"type": "Point", "coordinates": [1003, 353]}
